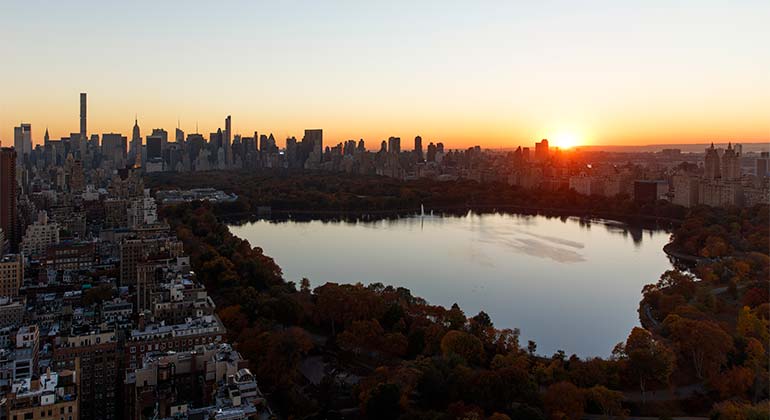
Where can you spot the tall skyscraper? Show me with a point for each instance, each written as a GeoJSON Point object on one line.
{"type": "Point", "coordinates": [135, 147]}
{"type": "Point", "coordinates": [228, 130]}
{"type": "Point", "coordinates": [541, 150]}
{"type": "Point", "coordinates": [228, 140]}
{"type": "Point", "coordinates": [82, 142]}
{"type": "Point", "coordinates": [8, 216]}
{"type": "Point", "coordinates": [22, 141]}
{"type": "Point", "coordinates": [83, 124]}
{"type": "Point", "coordinates": [136, 133]}
{"type": "Point", "coordinates": [418, 148]}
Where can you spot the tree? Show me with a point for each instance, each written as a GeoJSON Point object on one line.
{"type": "Point", "coordinates": [361, 335]}
{"type": "Point", "coordinates": [701, 341]}
{"type": "Point", "coordinates": [531, 347]}
{"type": "Point", "coordinates": [464, 345]}
{"type": "Point", "coordinates": [678, 282]}
{"type": "Point", "coordinates": [564, 401]}
{"type": "Point", "coordinates": [751, 325]}
{"type": "Point", "coordinates": [648, 359]}
{"type": "Point", "coordinates": [607, 400]}
{"type": "Point", "coordinates": [456, 317]}
{"type": "Point", "coordinates": [734, 382]}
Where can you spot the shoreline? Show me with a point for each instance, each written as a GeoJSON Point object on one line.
{"type": "Point", "coordinates": [644, 221]}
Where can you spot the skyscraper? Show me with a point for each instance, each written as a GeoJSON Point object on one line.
{"type": "Point", "coordinates": [418, 148]}
{"type": "Point", "coordinates": [22, 141]}
{"type": "Point", "coordinates": [541, 150]}
{"type": "Point", "coordinates": [8, 196]}
{"type": "Point", "coordinates": [312, 143]}
{"type": "Point", "coordinates": [394, 145]}
{"type": "Point", "coordinates": [83, 124]}
{"type": "Point", "coordinates": [228, 140]}
{"type": "Point", "coordinates": [79, 141]}
{"type": "Point", "coordinates": [135, 147]}
{"type": "Point", "coordinates": [114, 149]}
{"type": "Point", "coordinates": [154, 147]}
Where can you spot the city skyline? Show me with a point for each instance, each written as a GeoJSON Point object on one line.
{"type": "Point", "coordinates": [603, 73]}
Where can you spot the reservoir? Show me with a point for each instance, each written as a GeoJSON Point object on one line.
{"type": "Point", "coordinates": [567, 283]}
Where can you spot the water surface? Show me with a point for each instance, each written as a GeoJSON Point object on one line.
{"type": "Point", "coordinates": [566, 283]}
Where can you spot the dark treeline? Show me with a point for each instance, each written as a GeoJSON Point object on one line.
{"type": "Point", "coordinates": [322, 193]}
{"type": "Point", "coordinates": [704, 348]}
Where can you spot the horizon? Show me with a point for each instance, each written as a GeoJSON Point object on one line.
{"type": "Point", "coordinates": [504, 76]}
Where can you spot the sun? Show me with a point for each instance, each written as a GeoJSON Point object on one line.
{"type": "Point", "coordinates": [566, 140]}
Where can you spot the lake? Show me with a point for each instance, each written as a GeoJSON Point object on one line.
{"type": "Point", "coordinates": [567, 283]}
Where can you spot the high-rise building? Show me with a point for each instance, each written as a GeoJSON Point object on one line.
{"type": "Point", "coordinates": [761, 164]}
{"type": "Point", "coordinates": [431, 155]}
{"type": "Point", "coordinates": [418, 148]}
{"type": "Point", "coordinates": [8, 211]}
{"type": "Point", "coordinates": [95, 354]}
{"type": "Point", "coordinates": [83, 123]}
{"type": "Point", "coordinates": [163, 135]}
{"type": "Point", "coordinates": [114, 149]}
{"type": "Point", "coordinates": [541, 150]}
{"type": "Point", "coordinates": [731, 163]}
{"type": "Point", "coordinates": [22, 141]}
{"type": "Point", "coordinates": [82, 141]}
{"type": "Point", "coordinates": [228, 139]}
{"type": "Point", "coordinates": [11, 274]}
{"type": "Point", "coordinates": [394, 145]}
{"type": "Point", "coordinates": [312, 144]}
{"type": "Point", "coordinates": [135, 147]}
{"type": "Point", "coordinates": [154, 147]}
{"type": "Point", "coordinates": [711, 164]}
{"type": "Point", "coordinates": [40, 235]}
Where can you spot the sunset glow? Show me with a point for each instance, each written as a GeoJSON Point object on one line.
{"type": "Point", "coordinates": [496, 75]}
{"type": "Point", "coordinates": [566, 140]}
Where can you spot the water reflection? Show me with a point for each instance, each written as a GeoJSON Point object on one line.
{"type": "Point", "coordinates": [568, 283]}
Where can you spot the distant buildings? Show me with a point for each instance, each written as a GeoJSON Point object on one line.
{"type": "Point", "coordinates": [722, 183]}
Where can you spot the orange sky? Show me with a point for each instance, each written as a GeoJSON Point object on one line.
{"type": "Point", "coordinates": [498, 75]}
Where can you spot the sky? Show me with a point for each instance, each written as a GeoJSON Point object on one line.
{"type": "Point", "coordinates": [494, 73]}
